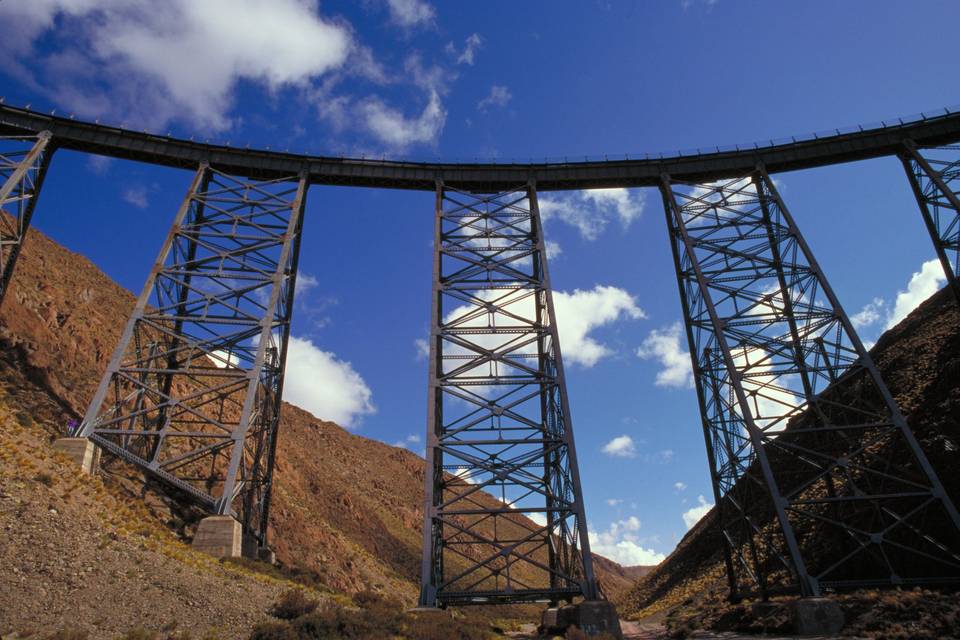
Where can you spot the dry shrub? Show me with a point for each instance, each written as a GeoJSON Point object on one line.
{"type": "Point", "coordinates": [293, 604]}
{"type": "Point", "coordinates": [274, 631]}
{"type": "Point", "coordinates": [139, 634]}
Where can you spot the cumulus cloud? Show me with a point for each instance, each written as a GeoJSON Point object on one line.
{"type": "Point", "coordinates": [324, 385]}
{"type": "Point", "coordinates": [422, 345]}
{"type": "Point", "coordinates": [554, 250]}
{"type": "Point", "coordinates": [398, 130]}
{"type": "Point", "coordinates": [621, 544]}
{"type": "Point", "coordinates": [408, 442]}
{"type": "Point", "coordinates": [411, 13]}
{"type": "Point", "coordinates": [922, 285]}
{"type": "Point", "coordinates": [154, 62]}
{"type": "Point", "coordinates": [871, 313]}
{"type": "Point", "coordinates": [614, 502]}
{"type": "Point", "coordinates": [580, 312]}
{"type": "Point", "coordinates": [621, 447]}
{"type": "Point", "coordinates": [499, 96]}
{"type": "Point", "coordinates": [590, 211]}
{"type": "Point", "coordinates": [692, 516]}
{"type": "Point", "coordinates": [305, 282]}
{"type": "Point", "coordinates": [664, 345]}
{"type": "Point", "coordinates": [680, 486]}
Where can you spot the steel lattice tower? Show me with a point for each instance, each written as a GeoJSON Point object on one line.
{"type": "Point", "coordinates": [22, 170]}
{"type": "Point", "coordinates": [192, 393]}
{"type": "Point", "coordinates": [798, 424]}
{"type": "Point", "coordinates": [498, 418]}
{"type": "Point", "coordinates": [935, 179]}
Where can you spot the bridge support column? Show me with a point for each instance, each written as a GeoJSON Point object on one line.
{"type": "Point", "coordinates": [22, 172]}
{"type": "Point", "coordinates": [935, 181]}
{"type": "Point", "coordinates": [788, 447]}
{"type": "Point", "coordinates": [192, 393]}
{"type": "Point", "coordinates": [498, 417]}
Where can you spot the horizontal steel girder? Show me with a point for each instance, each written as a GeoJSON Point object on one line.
{"type": "Point", "coordinates": [498, 419]}
{"type": "Point", "coordinates": [192, 393]}
{"type": "Point", "coordinates": [480, 177]}
{"type": "Point", "coordinates": [802, 434]}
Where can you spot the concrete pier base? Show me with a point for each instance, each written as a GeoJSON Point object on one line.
{"type": "Point", "coordinates": [220, 536]}
{"type": "Point", "coordinates": [80, 450]}
{"type": "Point", "coordinates": [816, 617]}
{"type": "Point", "coordinates": [592, 617]}
{"type": "Point", "coordinates": [266, 554]}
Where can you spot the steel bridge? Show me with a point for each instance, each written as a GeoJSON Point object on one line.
{"type": "Point", "coordinates": [799, 426]}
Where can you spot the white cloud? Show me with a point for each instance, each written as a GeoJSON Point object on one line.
{"type": "Point", "coordinates": [305, 282]}
{"type": "Point", "coordinates": [327, 387]}
{"type": "Point", "coordinates": [397, 130]}
{"type": "Point", "coordinates": [590, 211]}
{"type": "Point", "coordinates": [871, 313]}
{"type": "Point", "coordinates": [411, 13]}
{"type": "Point", "coordinates": [621, 447]}
{"type": "Point", "coordinates": [580, 312]}
{"type": "Point", "coordinates": [922, 285]}
{"type": "Point", "coordinates": [680, 486]}
{"type": "Point", "coordinates": [153, 62]}
{"type": "Point", "coordinates": [499, 96]}
{"type": "Point", "coordinates": [99, 165]}
{"type": "Point", "coordinates": [470, 47]}
{"type": "Point", "coordinates": [554, 250]}
{"type": "Point", "coordinates": [664, 345]}
{"type": "Point", "coordinates": [692, 516]}
{"type": "Point", "coordinates": [621, 544]}
{"type": "Point", "coordinates": [423, 348]}
{"type": "Point", "coordinates": [614, 501]}
{"type": "Point", "coordinates": [406, 443]}
{"type": "Point", "coordinates": [137, 196]}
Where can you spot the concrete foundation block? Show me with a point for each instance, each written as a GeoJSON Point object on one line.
{"type": "Point", "coordinates": [220, 536]}
{"type": "Point", "coordinates": [816, 617]}
{"type": "Point", "coordinates": [592, 617]}
{"type": "Point", "coordinates": [266, 554]}
{"type": "Point", "coordinates": [80, 450]}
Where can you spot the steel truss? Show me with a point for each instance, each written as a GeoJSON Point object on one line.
{"type": "Point", "coordinates": [935, 180]}
{"type": "Point", "coordinates": [800, 429]}
{"type": "Point", "coordinates": [192, 393]}
{"type": "Point", "coordinates": [22, 170]}
{"type": "Point", "coordinates": [498, 417]}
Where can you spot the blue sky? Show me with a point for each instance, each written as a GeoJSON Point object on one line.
{"type": "Point", "coordinates": [498, 80]}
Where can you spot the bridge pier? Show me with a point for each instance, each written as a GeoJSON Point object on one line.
{"type": "Point", "coordinates": [192, 394]}
{"type": "Point", "coordinates": [768, 341]}
{"type": "Point", "coordinates": [22, 172]}
{"type": "Point", "coordinates": [81, 451]}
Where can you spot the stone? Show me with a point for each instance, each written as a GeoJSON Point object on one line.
{"type": "Point", "coordinates": [220, 536]}
{"type": "Point", "coordinates": [816, 617]}
{"type": "Point", "coordinates": [592, 617]}
{"type": "Point", "coordinates": [81, 451]}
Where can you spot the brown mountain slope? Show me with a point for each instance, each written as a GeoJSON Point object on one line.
{"type": "Point", "coordinates": [346, 507]}
{"type": "Point", "coordinates": [920, 361]}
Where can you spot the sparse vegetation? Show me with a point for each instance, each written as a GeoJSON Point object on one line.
{"type": "Point", "coordinates": [293, 604]}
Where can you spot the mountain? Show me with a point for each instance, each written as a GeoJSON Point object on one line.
{"type": "Point", "coordinates": [346, 509]}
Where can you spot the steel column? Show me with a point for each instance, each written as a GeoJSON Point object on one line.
{"type": "Point", "coordinates": [498, 420]}
{"type": "Point", "coordinates": [22, 172]}
{"type": "Point", "coordinates": [934, 181]}
{"type": "Point", "coordinates": [192, 393]}
{"type": "Point", "coordinates": [787, 445]}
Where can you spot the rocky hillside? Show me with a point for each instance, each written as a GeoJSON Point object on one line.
{"type": "Point", "coordinates": [920, 361]}
{"type": "Point", "coordinates": [346, 508]}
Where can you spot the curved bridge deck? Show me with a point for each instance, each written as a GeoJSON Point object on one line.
{"type": "Point", "coordinates": [483, 177]}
